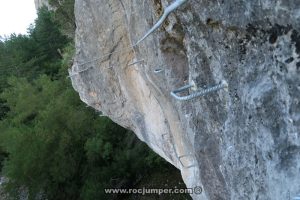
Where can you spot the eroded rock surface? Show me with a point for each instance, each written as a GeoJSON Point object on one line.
{"type": "Point", "coordinates": [240, 143]}
{"type": "Point", "coordinates": [40, 3]}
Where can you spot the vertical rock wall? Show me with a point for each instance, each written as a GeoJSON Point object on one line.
{"type": "Point", "coordinates": [41, 3]}
{"type": "Point", "coordinates": [237, 143]}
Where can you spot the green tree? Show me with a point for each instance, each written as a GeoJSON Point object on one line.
{"type": "Point", "coordinates": [59, 147]}
{"type": "Point", "coordinates": [64, 16]}
{"type": "Point", "coordinates": [32, 55]}
{"type": "Point", "coordinates": [38, 53]}
{"type": "Point", "coordinates": [44, 134]}
{"type": "Point", "coordinates": [49, 43]}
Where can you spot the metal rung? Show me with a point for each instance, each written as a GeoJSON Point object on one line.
{"type": "Point", "coordinates": [189, 166]}
{"type": "Point", "coordinates": [198, 93]}
{"type": "Point", "coordinates": [172, 7]}
{"type": "Point", "coordinates": [156, 71]}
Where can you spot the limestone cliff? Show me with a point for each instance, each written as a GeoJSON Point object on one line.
{"type": "Point", "coordinates": [41, 3]}
{"type": "Point", "coordinates": [242, 142]}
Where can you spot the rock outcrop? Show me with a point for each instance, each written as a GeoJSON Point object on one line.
{"type": "Point", "coordinates": [242, 142]}
{"type": "Point", "coordinates": [41, 3]}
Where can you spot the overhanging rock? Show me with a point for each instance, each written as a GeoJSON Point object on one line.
{"type": "Point", "coordinates": [241, 142]}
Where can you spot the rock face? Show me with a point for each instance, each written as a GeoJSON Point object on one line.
{"type": "Point", "coordinates": [41, 3]}
{"type": "Point", "coordinates": [237, 143]}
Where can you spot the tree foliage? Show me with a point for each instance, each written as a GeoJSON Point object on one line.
{"type": "Point", "coordinates": [57, 146]}
{"type": "Point", "coordinates": [64, 16]}
{"type": "Point", "coordinates": [35, 54]}
{"type": "Point", "coordinates": [32, 55]}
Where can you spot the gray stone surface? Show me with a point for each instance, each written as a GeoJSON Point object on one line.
{"type": "Point", "coordinates": [41, 3]}
{"type": "Point", "coordinates": [240, 143]}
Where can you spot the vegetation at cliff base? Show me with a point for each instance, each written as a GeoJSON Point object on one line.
{"type": "Point", "coordinates": [51, 145]}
